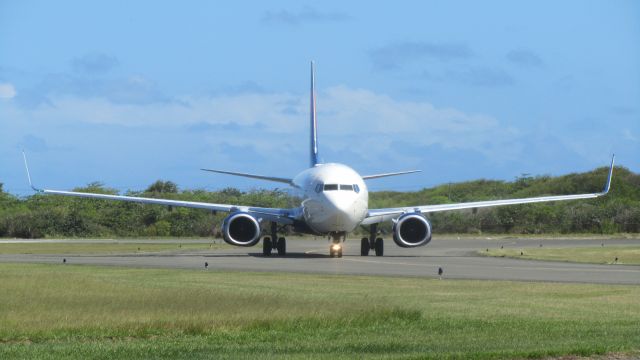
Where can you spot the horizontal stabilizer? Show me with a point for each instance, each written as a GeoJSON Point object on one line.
{"type": "Point", "coordinates": [253, 176]}
{"type": "Point", "coordinates": [376, 176]}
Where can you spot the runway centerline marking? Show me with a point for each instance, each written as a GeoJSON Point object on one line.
{"type": "Point", "coordinates": [385, 262]}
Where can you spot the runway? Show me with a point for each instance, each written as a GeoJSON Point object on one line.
{"type": "Point", "coordinates": [458, 257]}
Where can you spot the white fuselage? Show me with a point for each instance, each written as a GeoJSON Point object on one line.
{"type": "Point", "coordinates": [335, 198]}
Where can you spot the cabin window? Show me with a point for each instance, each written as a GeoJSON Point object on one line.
{"type": "Point", "coordinates": [318, 188]}
{"type": "Point", "coordinates": [356, 188]}
{"type": "Point", "coordinates": [330, 187]}
{"type": "Point", "coordinates": [346, 187]}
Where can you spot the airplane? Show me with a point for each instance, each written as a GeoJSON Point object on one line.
{"type": "Point", "coordinates": [334, 202]}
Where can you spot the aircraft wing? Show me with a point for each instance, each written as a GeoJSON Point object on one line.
{"type": "Point", "coordinates": [282, 216]}
{"type": "Point", "coordinates": [379, 215]}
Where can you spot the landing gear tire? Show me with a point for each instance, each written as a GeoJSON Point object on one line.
{"type": "Point", "coordinates": [282, 246]}
{"type": "Point", "coordinates": [335, 253]}
{"type": "Point", "coordinates": [379, 247]}
{"type": "Point", "coordinates": [364, 247]}
{"type": "Point", "coordinates": [266, 246]}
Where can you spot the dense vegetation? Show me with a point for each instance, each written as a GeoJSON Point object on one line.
{"type": "Point", "coordinates": [55, 216]}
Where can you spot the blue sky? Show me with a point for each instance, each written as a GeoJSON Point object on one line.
{"type": "Point", "coordinates": [130, 92]}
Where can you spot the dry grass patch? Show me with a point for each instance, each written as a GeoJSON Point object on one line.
{"type": "Point", "coordinates": [628, 255]}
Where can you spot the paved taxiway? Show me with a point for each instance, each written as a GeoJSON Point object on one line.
{"type": "Point", "coordinates": [458, 258]}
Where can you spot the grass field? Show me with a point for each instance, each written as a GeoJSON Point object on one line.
{"type": "Point", "coordinates": [101, 247]}
{"type": "Point", "coordinates": [629, 255]}
{"type": "Point", "coordinates": [79, 312]}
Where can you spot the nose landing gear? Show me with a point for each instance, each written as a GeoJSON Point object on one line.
{"type": "Point", "coordinates": [335, 249]}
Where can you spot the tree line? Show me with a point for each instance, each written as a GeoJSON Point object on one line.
{"type": "Point", "coordinates": [51, 216]}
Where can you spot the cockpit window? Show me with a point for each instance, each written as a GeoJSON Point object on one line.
{"type": "Point", "coordinates": [329, 187]}
{"type": "Point", "coordinates": [333, 187]}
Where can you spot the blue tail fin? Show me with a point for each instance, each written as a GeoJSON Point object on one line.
{"type": "Point", "coordinates": [314, 123]}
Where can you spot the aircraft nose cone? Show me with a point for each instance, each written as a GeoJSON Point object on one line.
{"type": "Point", "coordinates": [342, 216]}
{"type": "Point", "coordinates": [340, 204]}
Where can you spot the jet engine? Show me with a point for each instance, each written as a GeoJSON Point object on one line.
{"type": "Point", "coordinates": [241, 229]}
{"type": "Point", "coordinates": [411, 230]}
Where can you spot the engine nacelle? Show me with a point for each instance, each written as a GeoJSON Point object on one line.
{"type": "Point", "coordinates": [241, 229]}
{"type": "Point", "coordinates": [412, 230]}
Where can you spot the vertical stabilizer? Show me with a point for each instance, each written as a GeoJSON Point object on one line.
{"type": "Point", "coordinates": [313, 121]}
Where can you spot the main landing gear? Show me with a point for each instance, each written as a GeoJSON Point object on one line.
{"type": "Point", "coordinates": [377, 244]}
{"type": "Point", "coordinates": [270, 243]}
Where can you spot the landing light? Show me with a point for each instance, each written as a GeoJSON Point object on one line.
{"type": "Point", "coordinates": [335, 247]}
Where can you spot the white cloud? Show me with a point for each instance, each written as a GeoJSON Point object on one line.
{"type": "Point", "coordinates": [358, 120]}
{"type": "Point", "coordinates": [628, 135]}
{"type": "Point", "coordinates": [7, 91]}
{"type": "Point", "coordinates": [378, 121]}
{"type": "Point", "coordinates": [243, 109]}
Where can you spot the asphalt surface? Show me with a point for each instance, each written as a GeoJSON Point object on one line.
{"type": "Point", "coordinates": [458, 258]}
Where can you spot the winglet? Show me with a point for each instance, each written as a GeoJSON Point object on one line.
{"type": "Point", "coordinates": [607, 185]}
{"type": "Point", "coordinates": [24, 156]}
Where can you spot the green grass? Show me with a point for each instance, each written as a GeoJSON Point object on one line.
{"type": "Point", "coordinates": [100, 248]}
{"type": "Point", "coordinates": [78, 312]}
{"type": "Point", "coordinates": [629, 255]}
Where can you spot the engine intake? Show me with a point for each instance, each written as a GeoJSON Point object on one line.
{"type": "Point", "coordinates": [412, 230]}
{"type": "Point", "coordinates": [241, 229]}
